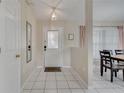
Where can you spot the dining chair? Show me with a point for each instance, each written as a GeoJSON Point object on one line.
{"type": "Point", "coordinates": [119, 52]}
{"type": "Point", "coordinates": [102, 59]}
{"type": "Point", "coordinates": [107, 63]}
{"type": "Point", "coordinates": [111, 52]}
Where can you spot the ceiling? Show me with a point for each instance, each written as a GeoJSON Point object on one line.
{"type": "Point", "coordinates": [103, 10]}
{"type": "Point", "coordinates": [66, 10]}
{"type": "Point", "coordinates": [108, 10]}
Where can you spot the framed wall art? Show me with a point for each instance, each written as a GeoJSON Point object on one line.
{"type": "Point", "coordinates": [71, 36]}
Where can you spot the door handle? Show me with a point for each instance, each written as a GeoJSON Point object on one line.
{"type": "Point", "coordinates": [18, 56]}
{"type": "Point", "coordinates": [45, 47]}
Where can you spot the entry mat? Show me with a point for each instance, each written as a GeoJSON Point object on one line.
{"type": "Point", "coordinates": [52, 69]}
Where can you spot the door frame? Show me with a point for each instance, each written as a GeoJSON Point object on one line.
{"type": "Point", "coordinates": [45, 31]}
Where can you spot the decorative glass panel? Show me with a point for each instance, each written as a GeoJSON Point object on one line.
{"type": "Point", "coordinates": [28, 42]}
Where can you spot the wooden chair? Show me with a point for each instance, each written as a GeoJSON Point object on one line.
{"type": "Point", "coordinates": [107, 63]}
{"type": "Point", "coordinates": [111, 52]}
{"type": "Point", "coordinates": [119, 52]}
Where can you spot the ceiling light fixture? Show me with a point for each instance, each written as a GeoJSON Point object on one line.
{"type": "Point", "coordinates": [53, 16]}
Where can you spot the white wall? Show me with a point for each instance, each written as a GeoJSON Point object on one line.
{"type": "Point", "coordinates": [81, 58]}
{"type": "Point", "coordinates": [27, 68]}
{"type": "Point", "coordinates": [79, 62]}
{"type": "Point", "coordinates": [39, 44]}
{"type": "Point", "coordinates": [68, 27]}
{"type": "Point", "coordinates": [72, 27]}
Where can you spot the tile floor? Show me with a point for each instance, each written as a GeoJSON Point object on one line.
{"type": "Point", "coordinates": [68, 81]}
{"type": "Point", "coordinates": [60, 82]}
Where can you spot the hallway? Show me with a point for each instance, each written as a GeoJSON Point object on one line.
{"type": "Point", "coordinates": [35, 34]}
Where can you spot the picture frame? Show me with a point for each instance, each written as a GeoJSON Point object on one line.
{"type": "Point", "coordinates": [71, 36]}
{"type": "Point", "coordinates": [28, 42]}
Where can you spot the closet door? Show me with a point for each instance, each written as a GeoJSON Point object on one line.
{"type": "Point", "coordinates": [9, 46]}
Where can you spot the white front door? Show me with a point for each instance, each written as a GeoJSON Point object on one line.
{"type": "Point", "coordinates": [53, 53]}
{"type": "Point", "coordinates": [9, 46]}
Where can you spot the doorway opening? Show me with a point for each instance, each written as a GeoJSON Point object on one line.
{"type": "Point", "coordinates": [106, 40]}
{"type": "Point", "coordinates": [53, 48]}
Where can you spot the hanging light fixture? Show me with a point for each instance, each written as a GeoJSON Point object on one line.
{"type": "Point", "coordinates": [53, 16]}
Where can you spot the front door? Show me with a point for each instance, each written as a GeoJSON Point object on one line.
{"type": "Point", "coordinates": [10, 46]}
{"type": "Point", "coordinates": [53, 48]}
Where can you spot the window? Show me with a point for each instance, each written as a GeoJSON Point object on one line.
{"type": "Point", "coordinates": [104, 38]}
{"type": "Point", "coordinates": [52, 39]}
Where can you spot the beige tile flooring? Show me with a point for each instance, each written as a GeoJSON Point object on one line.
{"type": "Point", "coordinates": [68, 81]}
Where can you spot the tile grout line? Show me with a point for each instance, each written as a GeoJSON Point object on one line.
{"type": "Point", "coordinates": [56, 83]}
{"type": "Point", "coordinates": [96, 90]}
{"type": "Point", "coordinates": [45, 82]}
{"type": "Point", "coordinates": [76, 80]}
{"type": "Point", "coordinates": [35, 81]}
{"type": "Point", "coordinates": [67, 82]}
{"type": "Point", "coordinates": [83, 89]}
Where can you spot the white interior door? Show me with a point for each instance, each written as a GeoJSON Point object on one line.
{"type": "Point", "coordinates": [53, 54]}
{"type": "Point", "coordinates": [9, 46]}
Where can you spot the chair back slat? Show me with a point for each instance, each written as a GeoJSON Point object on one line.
{"type": "Point", "coordinates": [119, 52]}
{"type": "Point", "coordinates": [111, 52]}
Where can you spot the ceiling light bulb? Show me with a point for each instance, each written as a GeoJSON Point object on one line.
{"type": "Point", "coordinates": [53, 17]}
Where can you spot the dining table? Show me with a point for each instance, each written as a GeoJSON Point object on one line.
{"type": "Point", "coordinates": [119, 58]}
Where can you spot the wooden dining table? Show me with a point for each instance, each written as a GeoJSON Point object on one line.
{"type": "Point", "coordinates": [118, 57]}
